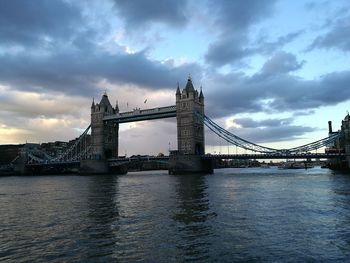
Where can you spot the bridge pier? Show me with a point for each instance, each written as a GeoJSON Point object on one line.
{"type": "Point", "coordinates": [189, 164]}
{"type": "Point", "coordinates": [92, 166]}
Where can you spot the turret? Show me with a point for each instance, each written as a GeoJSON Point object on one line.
{"type": "Point", "coordinates": [201, 96]}
{"type": "Point", "coordinates": [178, 93]}
{"type": "Point", "coordinates": [189, 86]}
{"type": "Point", "coordinates": [105, 105]}
{"type": "Point", "coordinates": [93, 104]}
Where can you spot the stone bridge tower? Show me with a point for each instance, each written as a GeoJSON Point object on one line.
{"type": "Point", "coordinates": [190, 133]}
{"type": "Point", "coordinates": [104, 137]}
{"type": "Point", "coordinates": [190, 129]}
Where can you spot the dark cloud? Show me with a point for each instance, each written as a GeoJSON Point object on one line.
{"type": "Point", "coordinates": [337, 37]}
{"type": "Point", "coordinates": [232, 49]}
{"type": "Point", "coordinates": [273, 134]}
{"type": "Point", "coordinates": [227, 50]}
{"type": "Point", "coordinates": [250, 123]}
{"type": "Point", "coordinates": [303, 113]}
{"type": "Point", "coordinates": [240, 14]}
{"type": "Point", "coordinates": [281, 62]}
{"type": "Point", "coordinates": [61, 49]}
{"type": "Point", "coordinates": [34, 22]}
{"type": "Point", "coordinates": [79, 72]}
{"type": "Point", "coordinates": [269, 130]}
{"type": "Point", "coordinates": [234, 19]}
{"type": "Point", "coordinates": [264, 131]}
{"type": "Point", "coordinates": [265, 46]}
{"type": "Point", "coordinates": [274, 90]}
{"type": "Point", "coordinates": [140, 13]}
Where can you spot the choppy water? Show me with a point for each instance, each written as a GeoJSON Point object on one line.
{"type": "Point", "coordinates": [233, 215]}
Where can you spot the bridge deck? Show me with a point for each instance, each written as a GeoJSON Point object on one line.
{"type": "Point", "coordinates": [142, 115]}
{"type": "Point", "coordinates": [115, 161]}
{"type": "Point", "coordinates": [272, 156]}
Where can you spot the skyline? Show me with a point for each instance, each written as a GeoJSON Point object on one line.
{"type": "Point", "coordinates": [272, 72]}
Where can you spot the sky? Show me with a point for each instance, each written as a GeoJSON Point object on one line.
{"type": "Point", "coordinates": [272, 71]}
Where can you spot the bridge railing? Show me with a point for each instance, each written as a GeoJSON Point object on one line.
{"type": "Point", "coordinates": [139, 114]}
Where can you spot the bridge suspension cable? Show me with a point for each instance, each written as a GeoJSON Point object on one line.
{"type": "Point", "coordinates": [247, 145]}
{"type": "Point", "coordinates": [77, 151]}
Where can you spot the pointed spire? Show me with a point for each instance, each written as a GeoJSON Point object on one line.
{"type": "Point", "coordinates": [201, 93]}
{"type": "Point", "coordinates": [189, 85]}
{"type": "Point", "coordinates": [178, 89]}
{"type": "Point", "coordinates": [93, 103]}
{"type": "Point", "coordinates": [105, 101]}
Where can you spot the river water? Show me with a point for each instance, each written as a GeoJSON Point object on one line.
{"type": "Point", "coordinates": [233, 215]}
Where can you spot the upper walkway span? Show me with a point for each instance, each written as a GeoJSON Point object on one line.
{"type": "Point", "coordinates": [142, 115]}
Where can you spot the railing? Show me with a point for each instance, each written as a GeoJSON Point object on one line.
{"type": "Point", "coordinates": [146, 114]}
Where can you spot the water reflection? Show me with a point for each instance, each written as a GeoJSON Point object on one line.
{"type": "Point", "coordinates": [193, 216]}
{"type": "Point", "coordinates": [103, 216]}
{"type": "Point", "coordinates": [340, 185]}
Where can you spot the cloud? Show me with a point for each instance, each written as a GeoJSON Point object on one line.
{"type": "Point", "coordinates": [250, 123]}
{"type": "Point", "coordinates": [303, 113]}
{"type": "Point", "coordinates": [336, 38]}
{"type": "Point", "coordinates": [269, 130]}
{"type": "Point", "coordinates": [263, 44]}
{"type": "Point", "coordinates": [34, 22]}
{"type": "Point", "coordinates": [281, 62]}
{"type": "Point", "coordinates": [273, 134]}
{"type": "Point", "coordinates": [241, 14]}
{"type": "Point", "coordinates": [227, 50]}
{"type": "Point", "coordinates": [61, 48]}
{"type": "Point", "coordinates": [148, 137]}
{"type": "Point", "coordinates": [79, 72]}
{"type": "Point", "coordinates": [263, 131]}
{"type": "Point", "coordinates": [234, 20]}
{"type": "Point", "coordinates": [138, 14]}
{"type": "Point", "coordinates": [274, 89]}
{"type": "Point", "coordinates": [33, 105]}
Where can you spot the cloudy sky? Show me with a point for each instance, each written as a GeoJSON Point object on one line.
{"type": "Point", "coordinates": [272, 71]}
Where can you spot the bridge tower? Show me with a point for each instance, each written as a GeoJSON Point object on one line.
{"type": "Point", "coordinates": [104, 137]}
{"type": "Point", "coordinates": [190, 129]}
{"type": "Point", "coordinates": [190, 133]}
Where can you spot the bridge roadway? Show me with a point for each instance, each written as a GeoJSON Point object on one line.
{"type": "Point", "coordinates": [142, 115]}
{"type": "Point", "coordinates": [118, 161]}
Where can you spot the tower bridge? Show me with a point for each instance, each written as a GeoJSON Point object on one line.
{"type": "Point", "coordinates": [105, 120]}
{"type": "Point", "coordinates": [101, 154]}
